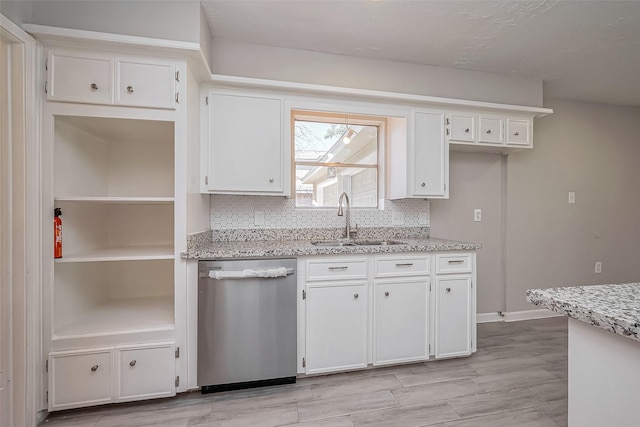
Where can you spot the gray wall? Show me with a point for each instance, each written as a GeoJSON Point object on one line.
{"type": "Point", "coordinates": [19, 12]}
{"type": "Point", "coordinates": [248, 60]}
{"type": "Point", "coordinates": [591, 149]}
{"type": "Point", "coordinates": [169, 19]}
{"type": "Point", "coordinates": [475, 182]}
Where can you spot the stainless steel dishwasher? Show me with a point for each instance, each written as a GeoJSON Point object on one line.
{"type": "Point", "coordinates": [246, 323]}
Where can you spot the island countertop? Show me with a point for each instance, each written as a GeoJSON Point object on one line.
{"type": "Point", "coordinates": [614, 307]}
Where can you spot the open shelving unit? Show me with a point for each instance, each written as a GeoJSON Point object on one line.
{"type": "Point", "coordinates": [113, 179]}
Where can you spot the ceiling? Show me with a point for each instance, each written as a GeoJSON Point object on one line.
{"type": "Point", "coordinates": [583, 50]}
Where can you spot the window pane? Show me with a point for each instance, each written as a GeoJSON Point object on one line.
{"type": "Point", "coordinates": [335, 143]}
{"type": "Point", "coordinates": [321, 186]}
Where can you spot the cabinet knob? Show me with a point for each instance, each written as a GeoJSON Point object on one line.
{"type": "Point", "coordinates": [517, 133]}
{"type": "Point", "coordinates": [466, 130]}
{"type": "Point", "coordinates": [94, 368]}
{"type": "Point", "coordinates": [424, 184]}
{"type": "Point", "coordinates": [132, 363]}
{"type": "Point", "coordinates": [386, 294]}
{"type": "Point", "coordinates": [130, 89]}
{"type": "Point", "coordinates": [270, 179]}
{"type": "Point", "coordinates": [448, 289]}
{"type": "Point", "coordinates": [355, 296]}
{"type": "Point", "coordinates": [94, 86]}
{"type": "Point", "coordinates": [489, 131]}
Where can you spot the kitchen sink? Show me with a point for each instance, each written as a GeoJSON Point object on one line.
{"type": "Point", "coordinates": [379, 242]}
{"type": "Point", "coordinates": [334, 243]}
{"type": "Point", "coordinates": [339, 243]}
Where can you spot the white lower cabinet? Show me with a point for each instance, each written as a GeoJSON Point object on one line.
{"type": "Point", "coordinates": [400, 321]}
{"type": "Point", "coordinates": [453, 316]}
{"type": "Point", "coordinates": [421, 304]}
{"type": "Point", "coordinates": [80, 378]}
{"type": "Point", "coordinates": [336, 326]}
{"type": "Point", "coordinates": [145, 372]}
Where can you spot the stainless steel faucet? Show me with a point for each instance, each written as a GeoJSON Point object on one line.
{"type": "Point", "coordinates": [345, 198]}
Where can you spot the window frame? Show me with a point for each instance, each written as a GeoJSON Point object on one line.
{"type": "Point", "coordinates": [346, 118]}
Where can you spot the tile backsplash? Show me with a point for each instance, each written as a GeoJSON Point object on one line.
{"type": "Point", "coordinates": [238, 212]}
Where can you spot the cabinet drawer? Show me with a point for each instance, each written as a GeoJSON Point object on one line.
{"type": "Point", "coordinates": [144, 84]}
{"type": "Point", "coordinates": [462, 128]}
{"type": "Point", "coordinates": [80, 378]}
{"type": "Point", "coordinates": [145, 372]}
{"type": "Point", "coordinates": [404, 266]}
{"type": "Point", "coordinates": [85, 79]}
{"type": "Point", "coordinates": [336, 269]}
{"type": "Point", "coordinates": [518, 131]}
{"type": "Point", "coordinates": [491, 130]}
{"type": "Point", "coordinates": [453, 263]}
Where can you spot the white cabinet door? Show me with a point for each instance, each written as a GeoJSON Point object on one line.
{"type": "Point", "coordinates": [79, 78]}
{"type": "Point", "coordinates": [146, 84]}
{"type": "Point", "coordinates": [491, 130]}
{"type": "Point", "coordinates": [145, 372]}
{"type": "Point", "coordinates": [518, 131]}
{"type": "Point", "coordinates": [453, 316]}
{"type": "Point", "coordinates": [400, 325]}
{"type": "Point", "coordinates": [462, 127]}
{"type": "Point", "coordinates": [430, 155]}
{"type": "Point", "coordinates": [245, 144]}
{"type": "Point", "coordinates": [336, 327]}
{"type": "Point", "coordinates": [80, 378]}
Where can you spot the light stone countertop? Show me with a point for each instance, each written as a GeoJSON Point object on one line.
{"type": "Point", "coordinates": [294, 248]}
{"type": "Point", "coordinates": [614, 308]}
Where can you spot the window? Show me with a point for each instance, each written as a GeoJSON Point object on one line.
{"type": "Point", "coordinates": [335, 153]}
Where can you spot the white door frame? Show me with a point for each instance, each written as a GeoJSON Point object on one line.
{"type": "Point", "coordinates": [20, 287]}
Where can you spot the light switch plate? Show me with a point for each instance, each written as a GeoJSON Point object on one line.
{"type": "Point", "coordinates": [258, 218]}
{"type": "Point", "coordinates": [397, 218]}
{"type": "Point", "coordinates": [572, 197]}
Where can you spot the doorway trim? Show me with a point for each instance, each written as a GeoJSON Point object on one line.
{"type": "Point", "coordinates": [25, 292]}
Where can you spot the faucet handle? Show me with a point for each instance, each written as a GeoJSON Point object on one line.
{"type": "Point", "coordinates": [354, 230]}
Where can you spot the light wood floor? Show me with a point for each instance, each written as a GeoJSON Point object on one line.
{"type": "Point", "coordinates": [518, 377]}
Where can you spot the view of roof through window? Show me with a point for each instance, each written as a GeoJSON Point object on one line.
{"type": "Point", "coordinates": [332, 158]}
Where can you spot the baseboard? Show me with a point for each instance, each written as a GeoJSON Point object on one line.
{"type": "Point", "coordinates": [515, 316]}
{"type": "Point", "coordinates": [489, 317]}
{"type": "Point", "coordinates": [542, 313]}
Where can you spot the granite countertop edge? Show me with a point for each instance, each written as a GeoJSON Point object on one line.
{"type": "Point", "coordinates": [612, 307]}
{"type": "Point", "coordinates": [294, 248]}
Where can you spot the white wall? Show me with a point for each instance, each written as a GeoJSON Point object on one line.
{"type": "Point", "coordinates": [163, 19]}
{"type": "Point", "coordinates": [594, 150]}
{"type": "Point", "coordinates": [294, 65]}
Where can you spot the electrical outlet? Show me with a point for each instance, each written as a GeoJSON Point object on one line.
{"type": "Point", "coordinates": [397, 218]}
{"type": "Point", "coordinates": [422, 219]}
{"type": "Point", "coordinates": [598, 268]}
{"type": "Point", "coordinates": [572, 197]}
{"type": "Point", "coordinates": [258, 218]}
{"type": "Point", "coordinates": [477, 215]}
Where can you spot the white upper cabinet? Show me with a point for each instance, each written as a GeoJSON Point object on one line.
{"type": "Point", "coordinates": [76, 76]}
{"type": "Point", "coordinates": [145, 84]}
{"type": "Point", "coordinates": [468, 131]}
{"type": "Point", "coordinates": [419, 159]}
{"type": "Point", "coordinates": [245, 144]}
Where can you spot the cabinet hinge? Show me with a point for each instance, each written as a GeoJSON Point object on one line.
{"type": "Point", "coordinates": [206, 180]}
{"type": "Point", "coordinates": [206, 100]}
{"type": "Point", "coordinates": [447, 131]}
{"type": "Point", "coordinates": [46, 396]}
{"type": "Point", "coordinates": [472, 283]}
{"type": "Point", "coordinates": [46, 365]}
{"type": "Point", "coordinates": [445, 187]}
{"type": "Point", "coordinates": [177, 76]}
{"type": "Point", "coordinates": [46, 87]}
{"type": "Point", "coordinates": [177, 352]}
{"type": "Point", "coordinates": [446, 121]}
{"type": "Point", "coordinates": [429, 287]}
{"type": "Point", "coordinates": [46, 64]}
{"type": "Point", "coordinates": [429, 348]}
{"type": "Point", "coordinates": [304, 294]}
{"type": "Point", "coordinates": [177, 97]}
{"type": "Point", "coordinates": [177, 380]}
{"type": "Point", "coordinates": [304, 362]}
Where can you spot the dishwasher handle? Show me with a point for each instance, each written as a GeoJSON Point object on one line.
{"type": "Point", "coordinates": [264, 273]}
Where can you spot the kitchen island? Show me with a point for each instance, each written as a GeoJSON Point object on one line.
{"type": "Point", "coordinates": [604, 350]}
